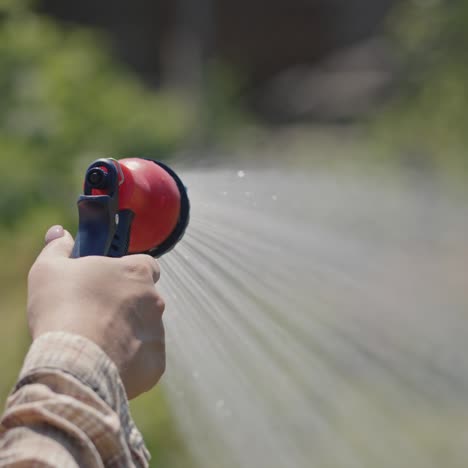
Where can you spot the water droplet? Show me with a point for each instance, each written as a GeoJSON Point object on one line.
{"type": "Point", "coordinates": [219, 404]}
{"type": "Point", "coordinates": [274, 197]}
{"type": "Point", "coordinates": [240, 174]}
{"type": "Point", "coordinates": [224, 194]}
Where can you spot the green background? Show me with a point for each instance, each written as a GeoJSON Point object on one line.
{"type": "Point", "coordinates": [64, 102]}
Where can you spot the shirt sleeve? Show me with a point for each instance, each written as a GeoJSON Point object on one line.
{"type": "Point", "coordinates": [69, 409]}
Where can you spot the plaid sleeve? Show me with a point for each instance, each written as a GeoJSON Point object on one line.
{"type": "Point", "coordinates": [69, 408]}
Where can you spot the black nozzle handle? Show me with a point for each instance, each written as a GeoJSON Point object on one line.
{"type": "Point", "coordinates": [100, 231]}
{"type": "Point", "coordinates": [97, 226]}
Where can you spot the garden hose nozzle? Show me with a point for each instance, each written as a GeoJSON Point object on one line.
{"type": "Point", "coordinates": [130, 206]}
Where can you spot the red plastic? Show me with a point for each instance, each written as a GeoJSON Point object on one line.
{"type": "Point", "coordinates": [152, 194]}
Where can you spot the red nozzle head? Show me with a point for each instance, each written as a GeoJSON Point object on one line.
{"type": "Point", "coordinates": [158, 199]}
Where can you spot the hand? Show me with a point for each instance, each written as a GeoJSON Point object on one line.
{"type": "Point", "coordinates": [111, 301]}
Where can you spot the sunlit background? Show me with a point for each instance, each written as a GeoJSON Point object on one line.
{"type": "Point", "coordinates": [323, 143]}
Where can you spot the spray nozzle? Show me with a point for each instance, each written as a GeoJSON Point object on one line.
{"type": "Point", "coordinates": [130, 206]}
{"type": "Point", "coordinates": [97, 178]}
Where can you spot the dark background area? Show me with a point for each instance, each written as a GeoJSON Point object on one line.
{"type": "Point", "coordinates": [171, 42]}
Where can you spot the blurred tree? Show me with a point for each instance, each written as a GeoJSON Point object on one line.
{"type": "Point", "coordinates": [64, 103]}
{"type": "Point", "coordinates": [428, 121]}
{"type": "Point", "coordinates": [170, 42]}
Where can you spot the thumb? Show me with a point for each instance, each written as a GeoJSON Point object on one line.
{"type": "Point", "coordinates": [59, 243]}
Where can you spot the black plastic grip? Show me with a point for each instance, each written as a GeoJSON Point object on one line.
{"type": "Point", "coordinates": [97, 226]}
{"type": "Point", "coordinates": [102, 229]}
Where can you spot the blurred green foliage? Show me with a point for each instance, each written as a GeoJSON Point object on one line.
{"type": "Point", "coordinates": [427, 121]}
{"type": "Point", "coordinates": [63, 103]}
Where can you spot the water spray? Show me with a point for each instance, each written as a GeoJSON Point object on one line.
{"type": "Point", "coordinates": [329, 332]}
{"type": "Point", "coordinates": [130, 206]}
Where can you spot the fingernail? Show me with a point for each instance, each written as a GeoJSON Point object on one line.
{"type": "Point", "coordinates": [55, 232]}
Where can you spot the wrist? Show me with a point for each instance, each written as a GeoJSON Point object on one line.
{"type": "Point", "coordinates": [75, 366]}
{"type": "Point", "coordinates": [78, 356]}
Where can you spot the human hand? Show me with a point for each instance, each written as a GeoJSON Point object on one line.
{"type": "Point", "coordinates": [111, 301]}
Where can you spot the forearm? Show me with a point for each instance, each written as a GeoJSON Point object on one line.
{"type": "Point", "coordinates": [69, 408]}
